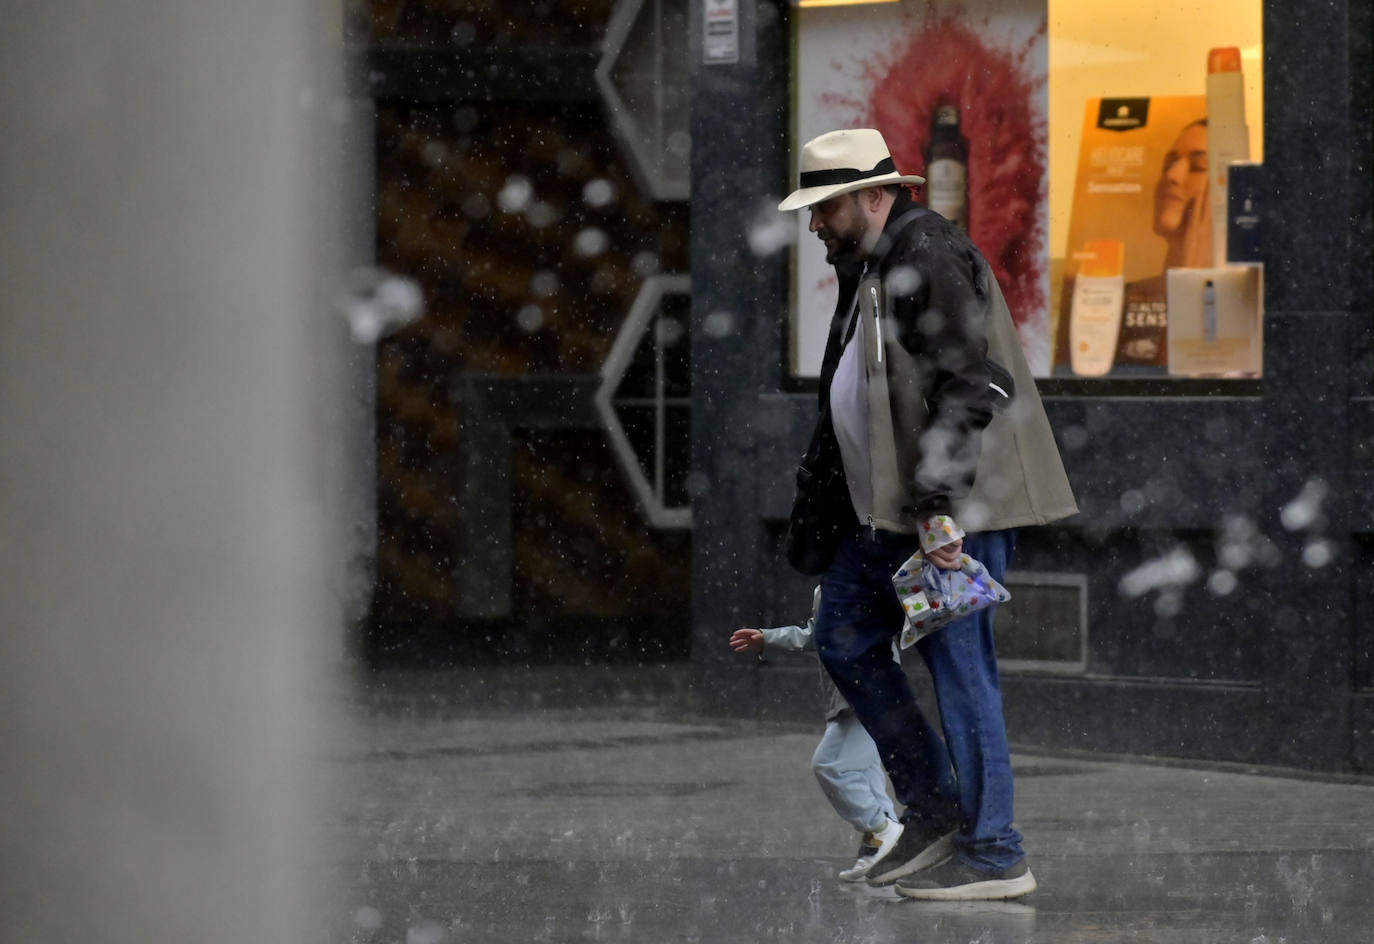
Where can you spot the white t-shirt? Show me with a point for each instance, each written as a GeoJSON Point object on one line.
{"type": "Point", "coordinates": [849, 416]}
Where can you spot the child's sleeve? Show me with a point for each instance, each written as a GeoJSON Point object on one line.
{"type": "Point", "coordinates": [795, 638]}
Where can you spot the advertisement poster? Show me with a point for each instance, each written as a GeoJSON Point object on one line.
{"type": "Point", "coordinates": [1139, 208]}
{"type": "Point", "coordinates": [959, 92]}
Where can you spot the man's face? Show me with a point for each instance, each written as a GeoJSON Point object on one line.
{"type": "Point", "coordinates": [839, 223]}
{"type": "Point", "coordinates": [1182, 181]}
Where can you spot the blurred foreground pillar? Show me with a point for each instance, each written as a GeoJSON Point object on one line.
{"type": "Point", "coordinates": [170, 478]}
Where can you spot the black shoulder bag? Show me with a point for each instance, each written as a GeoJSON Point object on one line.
{"type": "Point", "coordinates": [821, 511]}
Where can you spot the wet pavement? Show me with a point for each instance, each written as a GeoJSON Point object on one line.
{"type": "Point", "coordinates": [468, 817]}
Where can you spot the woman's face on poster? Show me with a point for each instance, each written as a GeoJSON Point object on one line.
{"type": "Point", "coordinates": [1182, 185]}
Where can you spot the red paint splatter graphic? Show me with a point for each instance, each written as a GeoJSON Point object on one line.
{"type": "Point", "coordinates": [942, 60]}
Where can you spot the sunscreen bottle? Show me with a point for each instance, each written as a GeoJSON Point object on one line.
{"type": "Point", "coordinates": [1228, 138]}
{"type": "Point", "coordinates": [1099, 292]}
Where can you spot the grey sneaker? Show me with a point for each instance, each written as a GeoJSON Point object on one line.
{"type": "Point", "coordinates": [955, 881]}
{"type": "Point", "coordinates": [917, 849]}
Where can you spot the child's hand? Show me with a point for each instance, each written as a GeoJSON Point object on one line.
{"type": "Point", "coordinates": [746, 640]}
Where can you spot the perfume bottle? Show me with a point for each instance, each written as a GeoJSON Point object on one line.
{"type": "Point", "coordinates": [947, 167]}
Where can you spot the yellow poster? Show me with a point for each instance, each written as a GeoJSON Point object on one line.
{"type": "Point", "coordinates": [1139, 208]}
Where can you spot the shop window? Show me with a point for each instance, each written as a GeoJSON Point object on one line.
{"type": "Point", "coordinates": [1093, 153]}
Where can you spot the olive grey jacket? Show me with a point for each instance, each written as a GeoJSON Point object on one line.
{"type": "Point", "coordinates": [956, 425]}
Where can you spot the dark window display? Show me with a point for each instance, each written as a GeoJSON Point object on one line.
{"type": "Point", "coordinates": [530, 241]}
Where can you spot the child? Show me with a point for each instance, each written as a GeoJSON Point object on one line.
{"type": "Point", "coordinates": [846, 760]}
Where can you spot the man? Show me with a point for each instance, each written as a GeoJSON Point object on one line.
{"type": "Point", "coordinates": [930, 418]}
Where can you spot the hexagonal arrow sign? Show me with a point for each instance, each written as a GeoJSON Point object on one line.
{"type": "Point", "coordinates": [643, 79]}
{"type": "Point", "coordinates": [644, 391]}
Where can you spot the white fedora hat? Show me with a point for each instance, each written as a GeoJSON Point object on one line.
{"type": "Point", "coordinates": [840, 161]}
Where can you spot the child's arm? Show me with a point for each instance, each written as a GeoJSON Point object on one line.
{"type": "Point", "coordinates": [796, 638]}
{"type": "Point", "coordinates": [749, 639]}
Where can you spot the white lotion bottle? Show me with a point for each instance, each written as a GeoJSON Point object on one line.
{"type": "Point", "coordinates": [1228, 137]}
{"type": "Point", "coordinates": [1099, 292]}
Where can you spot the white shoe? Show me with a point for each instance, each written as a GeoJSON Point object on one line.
{"type": "Point", "coordinates": [874, 845]}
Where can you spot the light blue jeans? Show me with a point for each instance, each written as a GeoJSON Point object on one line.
{"type": "Point", "coordinates": [850, 774]}
{"type": "Point", "coordinates": [962, 780]}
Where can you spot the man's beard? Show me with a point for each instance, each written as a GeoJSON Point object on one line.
{"type": "Point", "coordinates": [844, 255]}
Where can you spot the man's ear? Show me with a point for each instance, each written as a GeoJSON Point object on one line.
{"type": "Point", "coordinates": [871, 199]}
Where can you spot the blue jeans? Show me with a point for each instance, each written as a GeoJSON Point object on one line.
{"type": "Point", "coordinates": [960, 781]}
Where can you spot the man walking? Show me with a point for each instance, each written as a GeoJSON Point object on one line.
{"type": "Point", "coordinates": [930, 425]}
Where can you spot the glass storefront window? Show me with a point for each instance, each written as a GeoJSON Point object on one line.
{"type": "Point", "coordinates": [1091, 147]}
{"type": "Point", "coordinates": [1146, 105]}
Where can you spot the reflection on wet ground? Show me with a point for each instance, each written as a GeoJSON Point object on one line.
{"type": "Point", "coordinates": [626, 825]}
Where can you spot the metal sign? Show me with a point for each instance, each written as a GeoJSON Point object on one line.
{"type": "Point", "coordinates": [721, 34]}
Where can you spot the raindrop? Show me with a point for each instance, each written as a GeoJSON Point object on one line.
{"type": "Point", "coordinates": [530, 318]}
{"type": "Point", "coordinates": [476, 206]}
{"type": "Point", "coordinates": [603, 281]}
{"type": "Point", "coordinates": [770, 232]}
{"type": "Point", "coordinates": [463, 33]}
{"type": "Point", "coordinates": [1222, 583]}
{"type": "Point", "coordinates": [903, 280]}
{"type": "Point", "coordinates": [718, 324]}
{"type": "Point", "coordinates": [515, 195]}
{"type": "Point", "coordinates": [1168, 604]}
{"type": "Point", "coordinates": [1075, 437]}
{"type": "Point", "coordinates": [592, 241]}
{"type": "Point", "coordinates": [1132, 501]}
{"type": "Point", "coordinates": [933, 323]}
{"type": "Point", "coordinates": [1176, 568]}
{"type": "Point", "coordinates": [375, 302]}
{"type": "Point", "coordinates": [679, 143]}
{"type": "Point", "coordinates": [1305, 510]}
{"type": "Point", "coordinates": [368, 918]}
{"type": "Point", "coordinates": [541, 215]}
{"type": "Point", "coordinates": [1318, 553]}
{"type": "Point", "coordinates": [668, 331]}
{"type": "Point", "coordinates": [598, 193]}
{"type": "Point", "coordinates": [426, 932]}
{"type": "Point", "coordinates": [434, 153]}
{"type": "Point", "coordinates": [544, 283]}
{"type": "Point", "coordinates": [698, 484]}
{"type": "Point", "coordinates": [645, 263]}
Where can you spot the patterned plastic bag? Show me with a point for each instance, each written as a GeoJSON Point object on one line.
{"type": "Point", "coordinates": [933, 596]}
